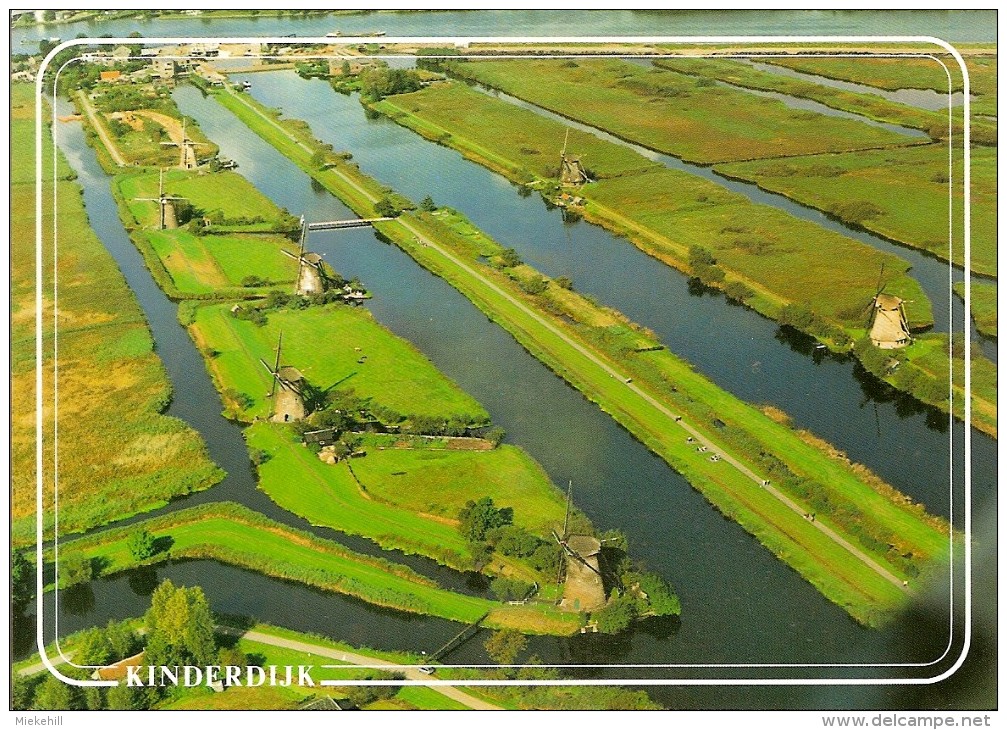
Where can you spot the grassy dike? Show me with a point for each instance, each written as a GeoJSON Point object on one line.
{"type": "Point", "coordinates": [778, 263]}
{"type": "Point", "coordinates": [445, 247]}
{"type": "Point", "coordinates": [984, 306]}
{"type": "Point", "coordinates": [120, 455]}
{"type": "Point", "coordinates": [236, 535]}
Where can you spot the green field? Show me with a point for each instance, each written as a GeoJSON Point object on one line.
{"type": "Point", "coordinates": [118, 454]}
{"type": "Point", "coordinates": [394, 374]}
{"type": "Point", "coordinates": [899, 194]}
{"type": "Point", "coordinates": [901, 73]}
{"type": "Point", "coordinates": [697, 120]}
{"type": "Point", "coordinates": [983, 306]}
{"type": "Point", "coordinates": [781, 258]}
{"type": "Point", "coordinates": [225, 192]}
{"type": "Point", "coordinates": [209, 264]}
{"type": "Point", "coordinates": [407, 499]}
{"type": "Point", "coordinates": [872, 106]}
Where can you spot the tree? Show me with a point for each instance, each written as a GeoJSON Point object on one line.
{"type": "Point", "coordinates": [92, 648]}
{"type": "Point", "coordinates": [385, 208]}
{"type": "Point", "coordinates": [121, 639]}
{"type": "Point", "coordinates": [616, 616]}
{"type": "Point", "coordinates": [478, 517]}
{"type": "Point", "coordinates": [22, 574]}
{"type": "Point", "coordinates": [345, 68]}
{"type": "Point", "coordinates": [564, 282]}
{"type": "Point", "coordinates": [74, 569]}
{"type": "Point", "coordinates": [141, 545]}
{"type": "Point", "coordinates": [428, 204]}
{"type": "Point", "coordinates": [54, 694]}
{"type": "Point", "coordinates": [22, 690]}
{"type": "Point", "coordinates": [179, 627]}
{"type": "Point", "coordinates": [510, 258]}
{"type": "Point", "coordinates": [123, 697]}
{"type": "Point", "coordinates": [318, 159]}
{"type": "Point", "coordinates": [504, 646]}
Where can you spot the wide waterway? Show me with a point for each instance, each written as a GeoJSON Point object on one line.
{"type": "Point", "coordinates": [960, 25]}
{"type": "Point", "coordinates": [741, 604]}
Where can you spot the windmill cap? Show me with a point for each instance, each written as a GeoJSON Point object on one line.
{"type": "Point", "coordinates": [584, 544]}
{"type": "Point", "coordinates": [288, 372]}
{"type": "Point", "coordinates": [887, 301]}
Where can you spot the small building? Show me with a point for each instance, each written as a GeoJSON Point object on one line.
{"type": "Point", "coordinates": [119, 669]}
{"type": "Point", "coordinates": [110, 76]}
{"type": "Point", "coordinates": [164, 68]}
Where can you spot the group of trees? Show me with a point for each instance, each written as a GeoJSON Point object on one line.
{"type": "Point", "coordinates": [377, 82]}
{"type": "Point", "coordinates": [488, 528]}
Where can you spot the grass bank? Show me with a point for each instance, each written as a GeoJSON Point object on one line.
{"type": "Point", "coordinates": [694, 119]}
{"type": "Point", "coordinates": [935, 124]}
{"type": "Point", "coordinates": [119, 454]}
{"type": "Point", "coordinates": [899, 194]}
{"type": "Point", "coordinates": [777, 522]}
{"type": "Point", "coordinates": [409, 499]}
{"type": "Point", "coordinates": [983, 305]}
{"type": "Point", "coordinates": [238, 536]}
{"type": "Point", "coordinates": [359, 355]}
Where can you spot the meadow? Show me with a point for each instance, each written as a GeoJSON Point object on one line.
{"type": "Point", "coordinates": [901, 73]}
{"type": "Point", "coordinates": [407, 499]}
{"type": "Point", "coordinates": [983, 305]}
{"type": "Point", "coordinates": [871, 106]}
{"type": "Point", "coordinates": [336, 347]}
{"type": "Point", "coordinates": [694, 119]}
{"type": "Point", "coordinates": [900, 194]}
{"type": "Point", "coordinates": [667, 212]}
{"type": "Point", "coordinates": [118, 454]}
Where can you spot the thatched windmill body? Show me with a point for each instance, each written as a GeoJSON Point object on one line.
{"type": "Point", "coordinates": [286, 391]}
{"type": "Point", "coordinates": [187, 149]}
{"type": "Point", "coordinates": [889, 329]}
{"type": "Point", "coordinates": [571, 171]}
{"type": "Point", "coordinates": [583, 589]}
{"type": "Point", "coordinates": [167, 217]}
{"type": "Point", "coordinates": [311, 278]}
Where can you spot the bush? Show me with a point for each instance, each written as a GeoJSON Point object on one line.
{"type": "Point", "coordinates": [510, 258]}
{"type": "Point", "coordinates": [141, 547]}
{"type": "Point", "coordinates": [385, 208]}
{"type": "Point", "coordinates": [617, 616]}
{"type": "Point", "coordinates": [477, 518]}
{"type": "Point", "coordinates": [509, 589]}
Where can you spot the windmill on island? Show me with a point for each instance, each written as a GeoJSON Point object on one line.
{"type": "Point", "coordinates": [287, 390]}
{"type": "Point", "coordinates": [583, 589]}
{"type": "Point", "coordinates": [187, 148]}
{"type": "Point", "coordinates": [571, 171]}
{"type": "Point", "coordinates": [167, 217]}
{"type": "Point", "coordinates": [889, 329]}
{"type": "Point", "coordinates": [312, 275]}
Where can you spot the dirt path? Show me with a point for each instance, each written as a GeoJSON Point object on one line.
{"type": "Point", "coordinates": [171, 125]}
{"type": "Point", "coordinates": [413, 675]}
{"type": "Point", "coordinates": [673, 418]}
{"type": "Point", "coordinates": [99, 127]}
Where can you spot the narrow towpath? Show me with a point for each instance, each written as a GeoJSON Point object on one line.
{"type": "Point", "coordinates": [674, 418]}
{"type": "Point", "coordinates": [350, 658]}
{"type": "Point", "coordinates": [99, 127]}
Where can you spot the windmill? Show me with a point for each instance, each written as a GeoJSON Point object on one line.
{"type": "Point", "coordinates": [286, 390]}
{"type": "Point", "coordinates": [886, 318]}
{"type": "Point", "coordinates": [166, 217]}
{"type": "Point", "coordinates": [311, 276]}
{"type": "Point", "coordinates": [187, 147]}
{"type": "Point", "coordinates": [584, 589]}
{"type": "Point", "coordinates": [571, 170]}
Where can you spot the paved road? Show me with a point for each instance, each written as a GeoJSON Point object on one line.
{"type": "Point", "coordinates": [350, 658]}
{"type": "Point", "coordinates": [674, 418]}
{"type": "Point", "coordinates": [96, 124]}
